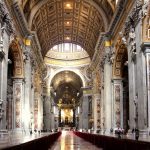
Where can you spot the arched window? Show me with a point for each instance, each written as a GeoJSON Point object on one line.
{"type": "Point", "coordinates": [67, 47]}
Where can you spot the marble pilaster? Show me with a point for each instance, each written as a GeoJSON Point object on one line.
{"type": "Point", "coordinates": [18, 97]}
{"type": "Point", "coordinates": [117, 107]}
{"type": "Point", "coordinates": [97, 111]}
{"type": "Point", "coordinates": [9, 112]}
{"type": "Point", "coordinates": [47, 113]}
{"type": "Point", "coordinates": [102, 109]}
{"type": "Point", "coordinates": [27, 88]}
{"type": "Point", "coordinates": [40, 113]}
{"type": "Point", "coordinates": [46, 108]}
{"type": "Point", "coordinates": [36, 109]}
{"type": "Point", "coordinates": [4, 46]}
{"type": "Point", "coordinates": [80, 117]}
{"type": "Point", "coordinates": [85, 107]}
{"type": "Point", "coordinates": [131, 69]}
{"type": "Point", "coordinates": [141, 81]}
{"type": "Point", "coordinates": [107, 91]}
{"type": "Point", "coordinates": [146, 49]}
{"type": "Point", "coordinates": [52, 115]}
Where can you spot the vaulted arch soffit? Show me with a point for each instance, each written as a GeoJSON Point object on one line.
{"type": "Point", "coordinates": [79, 22]}
{"type": "Point", "coordinates": [121, 56]}
{"type": "Point", "coordinates": [17, 58]}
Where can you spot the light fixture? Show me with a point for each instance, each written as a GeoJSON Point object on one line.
{"type": "Point", "coordinates": [67, 38]}
{"type": "Point", "coordinates": [68, 5]}
{"type": "Point", "coordinates": [68, 22]}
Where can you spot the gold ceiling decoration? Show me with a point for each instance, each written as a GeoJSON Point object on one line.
{"type": "Point", "coordinates": [75, 21]}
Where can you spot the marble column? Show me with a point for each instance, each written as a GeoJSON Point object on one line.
{"type": "Point", "coordinates": [102, 109]}
{"type": "Point", "coordinates": [85, 107]}
{"type": "Point", "coordinates": [107, 91]}
{"type": "Point", "coordinates": [9, 104]}
{"type": "Point", "coordinates": [102, 96]}
{"type": "Point", "coordinates": [18, 97]}
{"type": "Point", "coordinates": [27, 89]}
{"type": "Point", "coordinates": [4, 46]}
{"type": "Point", "coordinates": [2, 107]}
{"type": "Point", "coordinates": [9, 111]}
{"type": "Point", "coordinates": [117, 106]}
{"type": "Point", "coordinates": [141, 89]}
{"type": "Point", "coordinates": [47, 113]}
{"type": "Point", "coordinates": [80, 115]}
{"type": "Point", "coordinates": [52, 123]}
{"type": "Point", "coordinates": [47, 109]}
{"type": "Point", "coordinates": [131, 72]}
{"type": "Point", "coordinates": [40, 112]}
{"type": "Point", "coordinates": [52, 115]}
{"type": "Point", "coordinates": [137, 81]}
{"type": "Point", "coordinates": [146, 49]}
{"type": "Point", "coordinates": [36, 109]}
{"type": "Point", "coordinates": [97, 110]}
{"type": "Point", "coordinates": [32, 108]}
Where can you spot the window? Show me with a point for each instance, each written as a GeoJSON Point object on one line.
{"type": "Point", "coordinates": [67, 48]}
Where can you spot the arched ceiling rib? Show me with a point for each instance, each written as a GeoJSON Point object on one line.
{"type": "Point", "coordinates": [75, 21]}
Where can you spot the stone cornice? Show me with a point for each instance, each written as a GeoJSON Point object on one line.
{"type": "Point", "coordinates": [5, 19]}
{"type": "Point", "coordinates": [98, 48]}
{"type": "Point", "coordinates": [26, 33]}
{"type": "Point", "coordinates": [118, 13]}
{"type": "Point", "coordinates": [20, 20]}
{"type": "Point", "coordinates": [98, 51]}
{"type": "Point", "coordinates": [132, 16]}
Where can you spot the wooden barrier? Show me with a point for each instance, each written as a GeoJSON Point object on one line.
{"type": "Point", "coordinates": [114, 143]}
{"type": "Point", "coordinates": [42, 143]}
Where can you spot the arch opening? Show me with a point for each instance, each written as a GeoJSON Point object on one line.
{"type": "Point", "coordinates": [67, 92]}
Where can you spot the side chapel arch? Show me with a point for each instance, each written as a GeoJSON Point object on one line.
{"type": "Point", "coordinates": [17, 58]}
{"type": "Point", "coordinates": [120, 86]}
{"type": "Point", "coordinates": [15, 77]}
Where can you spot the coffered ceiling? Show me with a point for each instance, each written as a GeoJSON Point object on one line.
{"type": "Point", "coordinates": [74, 21]}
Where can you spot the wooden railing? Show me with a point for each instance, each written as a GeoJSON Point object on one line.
{"type": "Point", "coordinates": [114, 143]}
{"type": "Point", "coordinates": [42, 143]}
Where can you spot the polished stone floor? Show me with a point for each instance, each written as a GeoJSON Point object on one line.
{"type": "Point", "coordinates": [16, 139]}
{"type": "Point", "coordinates": [69, 141]}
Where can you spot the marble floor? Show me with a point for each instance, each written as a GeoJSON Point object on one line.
{"type": "Point", "coordinates": [17, 139]}
{"type": "Point", "coordinates": [69, 141]}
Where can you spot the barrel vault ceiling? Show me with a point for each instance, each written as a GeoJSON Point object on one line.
{"type": "Point", "coordinates": [72, 21]}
